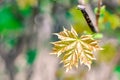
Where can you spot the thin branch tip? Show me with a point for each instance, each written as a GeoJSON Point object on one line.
{"type": "Point", "coordinates": [80, 7]}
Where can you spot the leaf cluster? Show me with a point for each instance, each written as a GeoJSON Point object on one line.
{"type": "Point", "coordinates": [73, 48]}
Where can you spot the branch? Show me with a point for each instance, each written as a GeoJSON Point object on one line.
{"type": "Point", "coordinates": [9, 57]}
{"type": "Point", "coordinates": [98, 12]}
{"type": "Point", "coordinates": [87, 18]}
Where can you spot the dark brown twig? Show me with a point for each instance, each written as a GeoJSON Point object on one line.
{"type": "Point", "coordinates": [98, 12]}
{"type": "Point", "coordinates": [87, 18]}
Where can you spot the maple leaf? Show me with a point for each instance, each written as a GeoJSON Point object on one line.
{"type": "Point", "coordinates": [74, 49]}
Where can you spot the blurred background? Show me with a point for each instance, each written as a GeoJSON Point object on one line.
{"type": "Point", "coordinates": [26, 28]}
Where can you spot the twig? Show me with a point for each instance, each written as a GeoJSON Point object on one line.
{"type": "Point", "coordinates": [98, 12]}
{"type": "Point", "coordinates": [10, 57]}
{"type": "Point", "coordinates": [87, 18]}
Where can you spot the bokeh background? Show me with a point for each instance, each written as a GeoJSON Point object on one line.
{"type": "Point", "coordinates": [26, 28]}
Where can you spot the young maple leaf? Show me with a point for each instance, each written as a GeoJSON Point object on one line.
{"type": "Point", "coordinates": [74, 49]}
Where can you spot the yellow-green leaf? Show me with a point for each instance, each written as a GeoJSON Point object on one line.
{"type": "Point", "coordinates": [73, 48]}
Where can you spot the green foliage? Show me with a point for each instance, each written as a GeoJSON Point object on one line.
{"type": "Point", "coordinates": [10, 42]}
{"type": "Point", "coordinates": [107, 17]}
{"type": "Point", "coordinates": [108, 53]}
{"type": "Point", "coordinates": [65, 2]}
{"type": "Point", "coordinates": [117, 71]}
{"type": "Point", "coordinates": [78, 21]}
{"type": "Point", "coordinates": [113, 19]}
{"type": "Point", "coordinates": [26, 3]}
{"type": "Point", "coordinates": [117, 68]}
{"type": "Point", "coordinates": [31, 56]}
{"type": "Point", "coordinates": [8, 22]}
{"type": "Point", "coordinates": [102, 10]}
{"type": "Point", "coordinates": [45, 5]}
{"type": "Point", "coordinates": [97, 36]}
{"type": "Point", "coordinates": [26, 12]}
{"type": "Point", "coordinates": [116, 33]}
